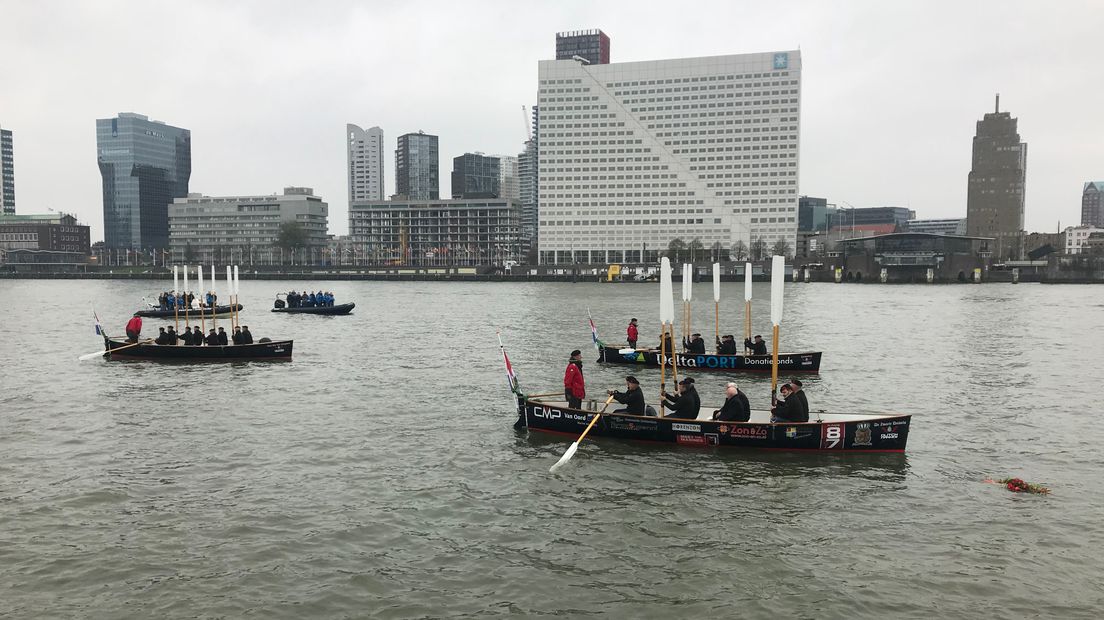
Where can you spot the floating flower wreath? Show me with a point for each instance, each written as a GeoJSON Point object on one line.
{"type": "Point", "coordinates": [1017, 485]}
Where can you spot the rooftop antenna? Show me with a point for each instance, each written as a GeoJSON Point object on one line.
{"type": "Point", "coordinates": [998, 103]}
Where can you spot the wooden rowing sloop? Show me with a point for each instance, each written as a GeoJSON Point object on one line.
{"type": "Point", "coordinates": [829, 432]}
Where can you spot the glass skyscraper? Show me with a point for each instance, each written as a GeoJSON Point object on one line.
{"type": "Point", "coordinates": [475, 175]}
{"type": "Point", "coordinates": [417, 167]}
{"type": "Point", "coordinates": [144, 165]}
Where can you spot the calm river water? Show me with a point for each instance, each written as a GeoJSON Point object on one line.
{"type": "Point", "coordinates": [377, 475]}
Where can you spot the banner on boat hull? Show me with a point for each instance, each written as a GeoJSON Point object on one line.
{"type": "Point", "coordinates": [789, 362]}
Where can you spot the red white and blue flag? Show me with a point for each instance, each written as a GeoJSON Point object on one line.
{"type": "Point", "coordinates": [99, 328]}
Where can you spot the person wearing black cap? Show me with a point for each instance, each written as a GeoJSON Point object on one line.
{"type": "Point", "coordinates": [727, 345]}
{"type": "Point", "coordinates": [173, 338]}
{"type": "Point", "coordinates": [246, 335]}
{"type": "Point", "coordinates": [632, 397]}
{"type": "Point", "coordinates": [212, 338]}
{"type": "Point", "coordinates": [222, 336]}
{"type": "Point", "coordinates": [799, 394]}
{"type": "Point", "coordinates": [759, 347]}
{"type": "Point", "coordinates": [685, 404]}
{"type": "Point", "coordinates": [694, 344]}
{"type": "Point", "coordinates": [162, 337]}
{"type": "Point", "coordinates": [574, 386]}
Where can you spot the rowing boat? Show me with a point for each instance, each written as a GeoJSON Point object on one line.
{"type": "Point", "coordinates": [850, 432]}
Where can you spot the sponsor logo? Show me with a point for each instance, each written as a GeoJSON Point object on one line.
{"type": "Point", "coordinates": [888, 425]}
{"type": "Point", "coordinates": [888, 436]}
{"type": "Point", "coordinates": [806, 360]}
{"type": "Point", "coordinates": [782, 60]}
{"type": "Point", "coordinates": [791, 432]}
{"type": "Point", "coordinates": [688, 428]}
{"type": "Point", "coordinates": [548, 413]}
{"type": "Point", "coordinates": [627, 425]}
{"type": "Point", "coordinates": [749, 432]}
{"type": "Point", "coordinates": [831, 436]}
{"type": "Point", "coordinates": [713, 439]}
{"type": "Point", "coordinates": [863, 435]}
{"type": "Point", "coordinates": [692, 440]}
{"type": "Point", "coordinates": [722, 429]}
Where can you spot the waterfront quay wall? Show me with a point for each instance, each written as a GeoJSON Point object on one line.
{"type": "Point", "coordinates": [859, 270]}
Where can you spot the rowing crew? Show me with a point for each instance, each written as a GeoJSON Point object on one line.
{"type": "Point", "coordinates": [168, 336]}
{"type": "Point", "coordinates": [790, 406]}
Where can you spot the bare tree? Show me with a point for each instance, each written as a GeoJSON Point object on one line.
{"type": "Point", "coordinates": [758, 249]}
{"type": "Point", "coordinates": [739, 251]}
{"type": "Point", "coordinates": [781, 248]}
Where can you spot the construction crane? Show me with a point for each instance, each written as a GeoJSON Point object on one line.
{"type": "Point", "coordinates": [525, 119]}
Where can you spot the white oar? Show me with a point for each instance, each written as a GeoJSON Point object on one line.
{"type": "Point", "coordinates": [778, 280]}
{"type": "Point", "coordinates": [717, 301]}
{"type": "Point", "coordinates": [88, 356]}
{"type": "Point", "coordinates": [747, 303]}
{"type": "Point", "coordinates": [666, 320]}
{"type": "Point", "coordinates": [575, 446]}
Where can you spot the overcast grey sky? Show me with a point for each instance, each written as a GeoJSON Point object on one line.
{"type": "Point", "coordinates": [890, 90]}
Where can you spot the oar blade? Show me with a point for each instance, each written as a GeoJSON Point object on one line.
{"type": "Point", "coordinates": [89, 356]}
{"type": "Point", "coordinates": [565, 458]}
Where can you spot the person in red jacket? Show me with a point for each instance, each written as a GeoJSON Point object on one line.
{"type": "Point", "coordinates": [134, 328]}
{"type": "Point", "coordinates": [574, 386]}
{"type": "Point", "coordinates": [632, 333]}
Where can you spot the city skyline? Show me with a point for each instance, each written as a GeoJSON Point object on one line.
{"type": "Point", "coordinates": [869, 134]}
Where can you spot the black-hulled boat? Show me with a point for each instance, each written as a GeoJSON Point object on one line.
{"type": "Point", "coordinates": [788, 362]}
{"type": "Point", "coordinates": [274, 350]}
{"type": "Point", "coordinates": [159, 313]}
{"type": "Point", "coordinates": [825, 431]}
{"type": "Point", "coordinates": [335, 310]}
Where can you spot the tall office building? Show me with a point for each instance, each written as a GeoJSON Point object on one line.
{"type": "Point", "coordinates": [417, 167]}
{"type": "Point", "coordinates": [1092, 204]}
{"type": "Point", "coordinates": [365, 163]}
{"type": "Point", "coordinates": [475, 175]}
{"type": "Point", "coordinates": [7, 173]}
{"type": "Point", "coordinates": [634, 155]}
{"type": "Point", "coordinates": [593, 45]}
{"type": "Point", "coordinates": [995, 193]}
{"type": "Point", "coordinates": [144, 165]}
{"type": "Point", "coordinates": [509, 184]}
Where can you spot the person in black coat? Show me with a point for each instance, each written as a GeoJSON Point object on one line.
{"type": "Point", "coordinates": [222, 337]}
{"type": "Point", "coordinates": [685, 404]}
{"type": "Point", "coordinates": [727, 345]}
{"type": "Point", "coordinates": [246, 337]}
{"type": "Point", "coordinates": [736, 407]}
{"type": "Point", "coordinates": [162, 337]}
{"type": "Point", "coordinates": [186, 337]}
{"type": "Point", "coordinates": [632, 397]}
{"type": "Point", "coordinates": [759, 347]}
{"type": "Point", "coordinates": [799, 393]}
{"type": "Point", "coordinates": [787, 408]}
{"type": "Point", "coordinates": [694, 344]}
{"type": "Point", "coordinates": [212, 338]}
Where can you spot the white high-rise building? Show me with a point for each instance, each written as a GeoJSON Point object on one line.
{"type": "Point", "coordinates": [509, 183]}
{"type": "Point", "coordinates": [634, 155]}
{"type": "Point", "coordinates": [365, 163]}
